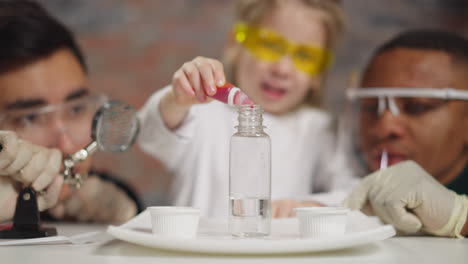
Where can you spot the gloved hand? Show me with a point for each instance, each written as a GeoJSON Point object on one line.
{"type": "Point", "coordinates": [285, 208]}
{"type": "Point", "coordinates": [96, 201]}
{"type": "Point", "coordinates": [22, 164]}
{"type": "Point", "coordinates": [410, 199]}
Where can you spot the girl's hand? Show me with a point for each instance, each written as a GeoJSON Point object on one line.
{"type": "Point", "coordinates": [196, 79]}
{"type": "Point", "coordinates": [285, 208]}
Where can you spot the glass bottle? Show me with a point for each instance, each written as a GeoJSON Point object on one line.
{"type": "Point", "coordinates": [250, 176]}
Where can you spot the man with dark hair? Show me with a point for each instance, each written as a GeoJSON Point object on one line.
{"type": "Point", "coordinates": [32, 33]}
{"type": "Point", "coordinates": [46, 100]}
{"type": "Point", "coordinates": [414, 111]}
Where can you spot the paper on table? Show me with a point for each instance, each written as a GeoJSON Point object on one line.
{"type": "Point", "coordinates": [53, 240]}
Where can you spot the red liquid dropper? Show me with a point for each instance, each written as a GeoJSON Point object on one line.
{"type": "Point", "coordinates": [231, 95]}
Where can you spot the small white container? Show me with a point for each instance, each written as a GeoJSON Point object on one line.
{"type": "Point", "coordinates": [320, 222]}
{"type": "Point", "coordinates": [172, 221]}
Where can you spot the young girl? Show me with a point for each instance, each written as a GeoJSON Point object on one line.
{"type": "Point", "coordinates": [278, 57]}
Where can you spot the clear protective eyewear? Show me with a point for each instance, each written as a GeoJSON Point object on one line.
{"type": "Point", "coordinates": [408, 101]}
{"type": "Point", "coordinates": [36, 123]}
{"type": "Point", "coordinates": [270, 46]}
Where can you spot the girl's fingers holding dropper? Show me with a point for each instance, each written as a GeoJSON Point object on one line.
{"type": "Point", "coordinates": [218, 71]}
{"type": "Point", "coordinates": [193, 76]}
{"type": "Point", "coordinates": [207, 77]}
{"type": "Point", "coordinates": [180, 83]}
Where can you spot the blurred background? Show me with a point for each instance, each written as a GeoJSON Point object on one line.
{"type": "Point", "coordinates": [134, 46]}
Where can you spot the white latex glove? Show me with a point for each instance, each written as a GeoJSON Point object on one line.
{"type": "Point", "coordinates": [410, 199]}
{"type": "Point", "coordinates": [24, 164]}
{"type": "Point", "coordinates": [96, 201]}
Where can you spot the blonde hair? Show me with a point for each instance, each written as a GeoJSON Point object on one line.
{"type": "Point", "coordinates": [253, 12]}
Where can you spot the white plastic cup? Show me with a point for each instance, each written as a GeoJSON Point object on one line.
{"type": "Point", "coordinates": [320, 222]}
{"type": "Point", "coordinates": [172, 221]}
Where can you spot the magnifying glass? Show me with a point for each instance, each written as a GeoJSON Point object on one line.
{"type": "Point", "coordinates": [115, 127]}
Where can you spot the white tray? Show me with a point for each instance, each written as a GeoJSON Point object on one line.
{"type": "Point", "coordinates": [213, 237]}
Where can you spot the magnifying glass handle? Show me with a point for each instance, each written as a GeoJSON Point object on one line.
{"type": "Point", "coordinates": [83, 154]}
{"type": "Point", "coordinates": [69, 175]}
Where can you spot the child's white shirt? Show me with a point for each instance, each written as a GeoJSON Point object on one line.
{"type": "Point", "coordinates": [303, 158]}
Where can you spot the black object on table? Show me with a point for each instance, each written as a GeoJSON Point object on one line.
{"type": "Point", "coordinates": [27, 220]}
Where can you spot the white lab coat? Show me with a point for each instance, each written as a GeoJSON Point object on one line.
{"type": "Point", "coordinates": [197, 153]}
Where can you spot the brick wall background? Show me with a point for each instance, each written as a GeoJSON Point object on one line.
{"type": "Point", "coordinates": [134, 46]}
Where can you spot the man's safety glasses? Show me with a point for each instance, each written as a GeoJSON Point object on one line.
{"type": "Point", "coordinates": [270, 46]}
{"type": "Point", "coordinates": [30, 122]}
{"type": "Point", "coordinates": [403, 101]}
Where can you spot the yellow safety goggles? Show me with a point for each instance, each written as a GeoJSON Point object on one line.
{"type": "Point", "coordinates": [270, 46]}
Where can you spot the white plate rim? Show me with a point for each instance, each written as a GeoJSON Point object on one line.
{"type": "Point", "coordinates": [252, 247]}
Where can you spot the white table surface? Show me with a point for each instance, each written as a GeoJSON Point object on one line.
{"type": "Point", "coordinates": [394, 250]}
